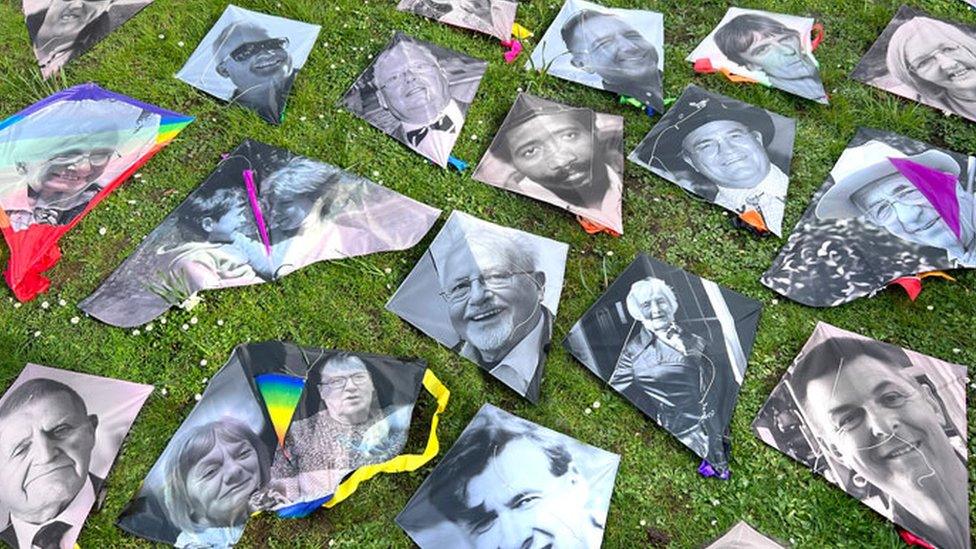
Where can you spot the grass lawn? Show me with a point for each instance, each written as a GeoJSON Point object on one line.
{"type": "Point", "coordinates": [659, 495]}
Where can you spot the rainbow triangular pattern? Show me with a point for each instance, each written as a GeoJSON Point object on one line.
{"type": "Point", "coordinates": [281, 394]}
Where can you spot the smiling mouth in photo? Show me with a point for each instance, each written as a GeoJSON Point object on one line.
{"type": "Point", "coordinates": [486, 315]}
{"type": "Point", "coordinates": [900, 449]}
{"type": "Point", "coordinates": [959, 73]}
{"type": "Point", "coordinates": [928, 225]}
{"type": "Point", "coordinates": [70, 15]}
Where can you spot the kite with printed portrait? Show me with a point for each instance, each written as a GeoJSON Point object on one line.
{"type": "Point", "coordinates": [491, 17]}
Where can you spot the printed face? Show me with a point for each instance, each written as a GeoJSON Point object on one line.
{"type": "Point", "coordinates": [555, 151]}
{"type": "Point", "coordinates": [611, 48]}
{"type": "Point", "coordinates": [943, 62]}
{"type": "Point", "coordinates": [657, 311]}
{"type": "Point", "coordinates": [525, 505]}
{"type": "Point", "coordinates": [65, 19]}
{"type": "Point", "coordinates": [72, 167]}
{"type": "Point", "coordinates": [222, 482]}
{"type": "Point", "coordinates": [779, 56]}
{"type": "Point", "coordinates": [886, 428]}
{"type": "Point", "coordinates": [347, 390]}
{"type": "Point", "coordinates": [411, 85]}
{"type": "Point", "coordinates": [727, 153]}
{"type": "Point", "coordinates": [896, 205]}
{"type": "Point", "coordinates": [227, 226]}
{"type": "Point", "coordinates": [251, 59]}
{"type": "Point", "coordinates": [45, 451]}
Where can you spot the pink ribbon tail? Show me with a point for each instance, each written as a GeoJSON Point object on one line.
{"type": "Point", "coordinates": [514, 49]}
{"type": "Point", "coordinates": [252, 196]}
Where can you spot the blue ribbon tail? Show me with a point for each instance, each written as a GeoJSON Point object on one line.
{"type": "Point", "coordinates": [304, 509]}
{"type": "Point", "coordinates": [457, 163]}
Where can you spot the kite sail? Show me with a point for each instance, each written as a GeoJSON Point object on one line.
{"type": "Point", "coordinates": [490, 294]}
{"type": "Point", "coordinates": [571, 157]}
{"type": "Point", "coordinates": [491, 17]}
{"type": "Point", "coordinates": [885, 424]}
{"type": "Point", "coordinates": [58, 159]}
{"type": "Point", "coordinates": [418, 93]}
{"type": "Point", "coordinates": [676, 346]}
{"type": "Point", "coordinates": [892, 207]}
{"type": "Point", "coordinates": [617, 50]}
{"type": "Point", "coordinates": [728, 152]}
{"type": "Point", "coordinates": [61, 432]}
{"type": "Point", "coordinates": [560, 487]}
{"type": "Point", "coordinates": [350, 424]}
{"type": "Point", "coordinates": [263, 214]}
{"type": "Point", "coordinates": [773, 49]}
{"type": "Point", "coordinates": [743, 536]}
{"type": "Point", "coordinates": [251, 59]}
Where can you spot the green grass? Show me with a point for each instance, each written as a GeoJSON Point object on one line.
{"type": "Point", "coordinates": [340, 304]}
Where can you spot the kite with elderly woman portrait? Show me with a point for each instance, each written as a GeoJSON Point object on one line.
{"type": "Point", "coordinates": [571, 157]}
{"type": "Point", "coordinates": [617, 50]}
{"type": "Point", "coordinates": [251, 59]}
{"type": "Point", "coordinates": [490, 294]}
{"type": "Point", "coordinates": [508, 482]}
{"type": "Point", "coordinates": [774, 49]}
{"type": "Point", "coordinates": [61, 30]}
{"type": "Point", "coordinates": [924, 59]}
{"type": "Point", "coordinates": [60, 432]}
{"type": "Point", "coordinates": [892, 207]}
{"type": "Point", "coordinates": [58, 159]}
{"type": "Point", "coordinates": [676, 346]}
{"type": "Point", "coordinates": [418, 93]}
{"type": "Point", "coordinates": [885, 424]}
{"type": "Point", "coordinates": [281, 428]}
{"type": "Point", "coordinates": [491, 17]}
{"type": "Point", "coordinates": [262, 214]}
{"type": "Point", "coordinates": [728, 152]}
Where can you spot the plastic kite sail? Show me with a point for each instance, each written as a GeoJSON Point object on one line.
{"type": "Point", "coordinates": [251, 59]}
{"type": "Point", "coordinates": [570, 157]}
{"type": "Point", "coordinates": [262, 214]}
{"type": "Point", "coordinates": [490, 294]}
{"type": "Point", "coordinates": [491, 17]}
{"type": "Point", "coordinates": [728, 152]}
{"type": "Point", "coordinates": [929, 60]}
{"type": "Point", "coordinates": [63, 30]}
{"type": "Point", "coordinates": [508, 482]}
{"type": "Point", "coordinates": [892, 207]}
{"type": "Point", "coordinates": [617, 50]}
{"type": "Point", "coordinates": [418, 93]}
{"type": "Point", "coordinates": [60, 432]}
{"type": "Point", "coordinates": [773, 49]}
{"type": "Point", "coordinates": [885, 424]}
{"type": "Point", "coordinates": [225, 462]}
{"type": "Point", "coordinates": [58, 159]}
{"type": "Point", "coordinates": [743, 536]}
{"type": "Point", "coordinates": [676, 346]}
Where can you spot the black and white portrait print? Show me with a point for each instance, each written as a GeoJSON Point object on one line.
{"type": "Point", "coordinates": [418, 93]}
{"type": "Point", "coordinates": [61, 30]}
{"type": "Point", "coordinates": [311, 211]}
{"type": "Point", "coordinates": [491, 17]}
{"type": "Point", "coordinates": [886, 425]}
{"type": "Point", "coordinates": [489, 293]}
{"type": "Point", "coordinates": [60, 432]}
{"type": "Point", "coordinates": [676, 346]}
{"type": "Point", "coordinates": [571, 157]}
{"type": "Point", "coordinates": [872, 221]}
{"type": "Point", "coordinates": [508, 482]}
{"type": "Point", "coordinates": [744, 536]}
{"type": "Point", "coordinates": [773, 48]}
{"type": "Point", "coordinates": [925, 59]}
{"type": "Point", "coordinates": [618, 50]}
{"type": "Point", "coordinates": [726, 151]}
{"type": "Point", "coordinates": [251, 59]}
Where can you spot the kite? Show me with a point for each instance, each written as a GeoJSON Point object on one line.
{"type": "Point", "coordinates": [251, 59]}
{"type": "Point", "coordinates": [491, 17]}
{"type": "Point", "coordinates": [262, 214]}
{"type": "Point", "coordinates": [490, 294]}
{"type": "Point", "coordinates": [885, 424]}
{"type": "Point", "coordinates": [350, 423]}
{"type": "Point", "coordinates": [58, 159]}
{"type": "Point", "coordinates": [508, 482]}
{"type": "Point", "coordinates": [60, 432]}
{"type": "Point", "coordinates": [617, 50]}
{"type": "Point", "coordinates": [571, 157]}
{"type": "Point", "coordinates": [418, 93]}
{"type": "Point", "coordinates": [61, 31]}
{"type": "Point", "coordinates": [674, 345]}
{"type": "Point", "coordinates": [730, 153]}
{"type": "Point", "coordinates": [743, 536]}
{"type": "Point", "coordinates": [892, 207]}
{"type": "Point", "coordinates": [924, 59]}
{"type": "Point", "coordinates": [773, 49]}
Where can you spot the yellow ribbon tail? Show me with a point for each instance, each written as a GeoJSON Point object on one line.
{"type": "Point", "coordinates": [520, 32]}
{"type": "Point", "coordinates": [938, 274]}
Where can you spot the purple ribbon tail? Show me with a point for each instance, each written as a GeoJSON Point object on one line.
{"type": "Point", "coordinates": [706, 470]}
{"type": "Point", "coordinates": [252, 196]}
